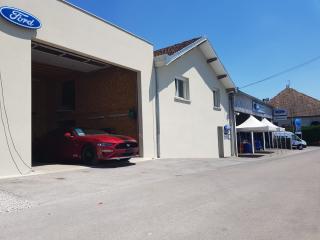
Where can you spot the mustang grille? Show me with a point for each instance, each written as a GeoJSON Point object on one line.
{"type": "Point", "coordinates": [127, 145]}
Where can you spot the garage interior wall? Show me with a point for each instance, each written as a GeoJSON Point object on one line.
{"type": "Point", "coordinates": [103, 100]}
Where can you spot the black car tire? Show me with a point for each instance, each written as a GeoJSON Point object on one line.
{"type": "Point", "coordinates": [300, 147]}
{"type": "Point", "coordinates": [89, 156]}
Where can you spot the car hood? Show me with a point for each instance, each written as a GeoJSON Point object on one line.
{"type": "Point", "coordinates": [108, 138]}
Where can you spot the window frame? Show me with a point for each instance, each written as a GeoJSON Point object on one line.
{"type": "Point", "coordinates": [216, 97]}
{"type": "Point", "coordinates": [186, 89]}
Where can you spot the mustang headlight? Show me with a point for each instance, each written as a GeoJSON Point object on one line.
{"type": "Point", "coordinates": [104, 144]}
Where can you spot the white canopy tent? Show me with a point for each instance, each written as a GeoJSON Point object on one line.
{"type": "Point", "coordinates": [272, 127]}
{"type": "Point", "coordinates": [254, 125]}
{"type": "Point", "coordinates": [275, 128]}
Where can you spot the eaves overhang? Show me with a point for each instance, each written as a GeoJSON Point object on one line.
{"type": "Point", "coordinates": [211, 58]}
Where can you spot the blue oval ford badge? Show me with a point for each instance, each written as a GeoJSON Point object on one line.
{"type": "Point", "coordinates": [20, 17]}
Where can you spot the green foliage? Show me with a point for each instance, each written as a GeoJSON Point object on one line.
{"type": "Point", "coordinates": [311, 135]}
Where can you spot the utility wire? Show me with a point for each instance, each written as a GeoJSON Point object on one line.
{"type": "Point", "coordinates": [7, 140]}
{"type": "Point", "coordinates": [283, 72]}
{"type": "Point", "coordinates": [2, 105]}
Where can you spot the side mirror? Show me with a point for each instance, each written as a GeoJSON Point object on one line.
{"type": "Point", "coordinates": [68, 135]}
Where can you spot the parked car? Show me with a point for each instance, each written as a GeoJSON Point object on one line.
{"type": "Point", "coordinates": [88, 145]}
{"type": "Point", "coordinates": [296, 142]}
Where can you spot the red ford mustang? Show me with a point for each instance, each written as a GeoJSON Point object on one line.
{"type": "Point", "coordinates": [88, 145]}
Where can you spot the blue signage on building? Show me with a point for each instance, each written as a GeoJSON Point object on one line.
{"type": "Point", "coordinates": [20, 17]}
{"type": "Point", "coordinates": [259, 108]}
{"type": "Point", "coordinates": [226, 129]}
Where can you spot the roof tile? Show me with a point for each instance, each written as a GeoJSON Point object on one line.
{"type": "Point", "coordinates": [296, 103]}
{"type": "Point", "coordinates": [175, 48]}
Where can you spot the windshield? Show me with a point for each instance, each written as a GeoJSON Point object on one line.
{"type": "Point", "coordinates": [86, 132]}
{"type": "Point", "coordinates": [295, 137]}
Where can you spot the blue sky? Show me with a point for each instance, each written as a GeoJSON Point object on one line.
{"type": "Point", "coordinates": [253, 38]}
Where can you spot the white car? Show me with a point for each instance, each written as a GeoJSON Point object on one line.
{"type": "Point", "coordinates": [296, 142]}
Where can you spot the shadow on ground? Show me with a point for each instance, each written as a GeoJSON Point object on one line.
{"type": "Point", "coordinates": [250, 155]}
{"type": "Point", "coordinates": [104, 164]}
{"type": "Point", "coordinates": [264, 152]}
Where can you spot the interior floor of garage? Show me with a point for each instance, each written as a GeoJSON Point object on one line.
{"type": "Point", "coordinates": [69, 90]}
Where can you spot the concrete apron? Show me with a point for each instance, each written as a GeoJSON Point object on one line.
{"type": "Point", "coordinates": [56, 168]}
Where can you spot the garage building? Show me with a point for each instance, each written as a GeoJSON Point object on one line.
{"type": "Point", "coordinates": [62, 75]}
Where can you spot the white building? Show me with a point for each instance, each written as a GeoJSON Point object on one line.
{"type": "Point", "coordinates": [193, 101]}
{"type": "Point", "coordinates": [79, 69]}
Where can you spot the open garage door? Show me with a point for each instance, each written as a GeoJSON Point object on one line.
{"type": "Point", "coordinates": [70, 90]}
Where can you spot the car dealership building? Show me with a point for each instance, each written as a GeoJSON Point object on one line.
{"type": "Point", "coordinates": [62, 66]}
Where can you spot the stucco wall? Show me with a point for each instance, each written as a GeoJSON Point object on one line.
{"type": "Point", "coordinates": [15, 68]}
{"type": "Point", "coordinates": [190, 129]}
{"type": "Point", "coordinates": [66, 27]}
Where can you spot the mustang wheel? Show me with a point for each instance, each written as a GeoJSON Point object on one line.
{"type": "Point", "coordinates": [89, 156]}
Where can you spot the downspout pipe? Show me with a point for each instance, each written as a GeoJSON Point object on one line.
{"type": "Point", "coordinates": [157, 111]}
{"type": "Point", "coordinates": [232, 120]}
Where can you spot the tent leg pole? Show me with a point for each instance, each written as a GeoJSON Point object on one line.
{"type": "Point", "coordinates": [252, 142]}
{"type": "Point", "coordinates": [264, 141]}
{"type": "Point", "coordinates": [239, 142]}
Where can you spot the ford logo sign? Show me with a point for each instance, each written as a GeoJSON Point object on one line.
{"type": "Point", "coordinates": [20, 17]}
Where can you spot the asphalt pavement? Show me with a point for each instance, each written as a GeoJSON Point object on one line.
{"type": "Point", "coordinates": [267, 198]}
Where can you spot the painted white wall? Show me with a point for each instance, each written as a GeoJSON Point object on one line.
{"type": "Point", "coordinates": [190, 129]}
{"type": "Point", "coordinates": [68, 28]}
{"type": "Point", "coordinates": [15, 68]}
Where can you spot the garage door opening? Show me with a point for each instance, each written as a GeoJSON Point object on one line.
{"type": "Point", "coordinates": [70, 90]}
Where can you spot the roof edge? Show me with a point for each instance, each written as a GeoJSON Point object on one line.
{"type": "Point", "coordinates": [165, 59]}
{"type": "Point", "coordinates": [290, 88]}
{"type": "Point", "coordinates": [255, 98]}
{"type": "Point", "coordinates": [184, 50]}
{"type": "Point", "coordinates": [220, 62]}
{"type": "Point", "coordinates": [103, 20]}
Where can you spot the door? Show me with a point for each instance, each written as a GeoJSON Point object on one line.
{"type": "Point", "coordinates": [220, 142]}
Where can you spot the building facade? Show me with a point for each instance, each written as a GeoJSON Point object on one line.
{"type": "Point", "coordinates": [193, 101]}
{"type": "Point", "coordinates": [64, 48]}
{"type": "Point", "coordinates": [297, 105]}
{"type": "Point", "coordinates": [246, 105]}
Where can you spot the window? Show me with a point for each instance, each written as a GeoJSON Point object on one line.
{"type": "Point", "coordinates": [216, 98]}
{"type": "Point", "coordinates": [182, 88]}
{"type": "Point", "coordinates": [68, 95]}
